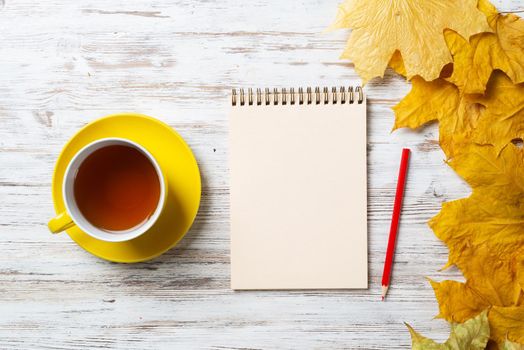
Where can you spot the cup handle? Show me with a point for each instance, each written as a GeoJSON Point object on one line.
{"type": "Point", "coordinates": [60, 223]}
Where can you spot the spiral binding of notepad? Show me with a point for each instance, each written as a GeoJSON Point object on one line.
{"type": "Point", "coordinates": [300, 97]}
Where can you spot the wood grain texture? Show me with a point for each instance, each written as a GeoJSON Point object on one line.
{"type": "Point", "coordinates": [65, 63]}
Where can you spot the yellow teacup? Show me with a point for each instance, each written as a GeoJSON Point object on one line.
{"type": "Point", "coordinates": [113, 190]}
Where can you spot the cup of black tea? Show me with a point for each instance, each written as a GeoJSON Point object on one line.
{"type": "Point", "coordinates": [113, 190]}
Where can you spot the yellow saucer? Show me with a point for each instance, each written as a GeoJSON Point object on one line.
{"type": "Point", "coordinates": [183, 185]}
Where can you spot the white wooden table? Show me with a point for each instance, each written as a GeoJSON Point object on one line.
{"type": "Point", "coordinates": [65, 63]}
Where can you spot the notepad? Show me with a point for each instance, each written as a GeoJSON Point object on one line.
{"type": "Point", "coordinates": [298, 189]}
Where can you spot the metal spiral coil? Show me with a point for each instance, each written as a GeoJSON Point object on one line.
{"type": "Point", "coordinates": [291, 97]}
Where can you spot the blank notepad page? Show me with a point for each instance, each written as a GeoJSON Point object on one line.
{"type": "Point", "coordinates": [298, 191]}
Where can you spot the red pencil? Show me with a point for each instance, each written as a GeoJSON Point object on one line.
{"type": "Point", "coordinates": [394, 221]}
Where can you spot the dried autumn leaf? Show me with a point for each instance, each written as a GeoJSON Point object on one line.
{"type": "Point", "coordinates": [426, 102]}
{"type": "Point", "coordinates": [490, 275]}
{"type": "Point", "coordinates": [507, 323]}
{"type": "Point", "coordinates": [463, 302]}
{"type": "Point", "coordinates": [470, 335]}
{"type": "Point", "coordinates": [494, 213]}
{"type": "Point", "coordinates": [509, 345]}
{"type": "Point", "coordinates": [451, 294]}
{"type": "Point", "coordinates": [495, 118]}
{"type": "Point", "coordinates": [493, 216]}
{"type": "Point", "coordinates": [438, 100]}
{"type": "Point", "coordinates": [503, 118]}
{"type": "Point", "coordinates": [397, 63]}
{"type": "Point", "coordinates": [475, 59]}
{"type": "Point", "coordinates": [488, 9]}
{"type": "Point", "coordinates": [414, 28]}
{"type": "Point", "coordinates": [485, 237]}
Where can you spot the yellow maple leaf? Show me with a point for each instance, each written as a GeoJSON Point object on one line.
{"type": "Point", "coordinates": [397, 64]}
{"type": "Point", "coordinates": [414, 28]}
{"type": "Point", "coordinates": [488, 9]}
{"type": "Point", "coordinates": [493, 215]}
{"type": "Point", "coordinates": [426, 102]}
{"type": "Point", "coordinates": [492, 281]}
{"type": "Point", "coordinates": [503, 117]}
{"type": "Point", "coordinates": [473, 334]}
{"type": "Point", "coordinates": [509, 345]}
{"type": "Point", "coordinates": [463, 302]}
{"type": "Point", "coordinates": [495, 118]}
{"type": "Point", "coordinates": [485, 237]}
{"type": "Point", "coordinates": [457, 301]}
{"type": "Point", "coordinates": [438, 100]}
{"type": "Point", "coordinates": [507, 322]}
{"type": "Point", "coordinates": [475, 59]}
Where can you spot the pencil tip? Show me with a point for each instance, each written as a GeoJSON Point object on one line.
{"type": "Point", "coordinates": [384, 292]}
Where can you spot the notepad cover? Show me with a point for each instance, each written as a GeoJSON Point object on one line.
{"type": "Point", "coordinates": [298, 196]}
